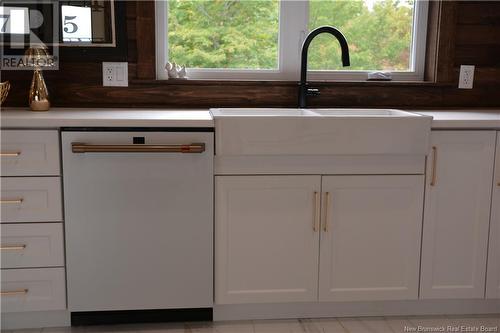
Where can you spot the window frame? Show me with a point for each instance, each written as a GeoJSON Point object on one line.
{"type": "Point", "coordinates": [294, 19]}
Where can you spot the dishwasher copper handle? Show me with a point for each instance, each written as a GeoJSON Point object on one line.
{"type": "Point", "coordinates": [193, 148]}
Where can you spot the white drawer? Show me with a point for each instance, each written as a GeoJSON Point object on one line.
{"type": "Point", "coordinates": [32, 245]}
{"type": "Point", "coordinates": [31, 199]}
{"type": "Point", "coordinates": [30, 153]}
{"type": "Point", "coordinates": [37, 289]}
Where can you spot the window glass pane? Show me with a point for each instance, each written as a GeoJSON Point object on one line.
{"type": "Point", "coordinates": [379, 33]}
{"type": "Point", "coordinates": [224, 34]}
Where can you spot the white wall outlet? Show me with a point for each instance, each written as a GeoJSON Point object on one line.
{"type": "Point", "coordinates": [466, 79]}
{"type": "Point", "coordinates": [115, 74]}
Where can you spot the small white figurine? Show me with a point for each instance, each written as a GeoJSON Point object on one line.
{"type": "Point", "coordinates": [171, 70]}
{"type": "Point", "coordinates": [175, 71]}
{"type": "Point", "coordinates": [181, 73]}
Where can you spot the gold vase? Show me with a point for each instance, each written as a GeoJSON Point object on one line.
{"type": "Point", "coordinates": [39, 95]}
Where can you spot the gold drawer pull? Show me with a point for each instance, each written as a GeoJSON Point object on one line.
{"type": "Point", "coordinates": [14, 292]}
{"type": "Point", "coordinates": [10, 153]}
{"type": "Point", "coordinates": [12, 247]}
{"type": "Point", "coordinates": [327, 213]}
{"type": "Point", "coordinates": [193, 148]}
{"type": "Point", "coordinates": [17, 201]}
{"type": "Point", "coordinates": [434, 166]}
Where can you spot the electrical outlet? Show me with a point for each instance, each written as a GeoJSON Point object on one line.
{"type": "Point", "coordinates": [115, 74]}
{"type": "Point", "coordinates": [466, 79]}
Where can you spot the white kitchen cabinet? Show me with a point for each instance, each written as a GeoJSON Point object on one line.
{"type": "Point", "coordinates": [457, 213]}
{"type": "Point", "coordinates": [33, 289]}
{"type": "Point", "coordinates": [370, 239]}
{"type": "Point", "coordinates": [266, 239]}
{"type": "Point", "coordinates": [33, 276]}
{"type": "Point", "coordinates": [493, 278]}
{"type": "Point", "coordinates": [25, 245]}
{"type": "Point", "coordinates": [29, 152]}
{"type": "Point", "coordinates": [30, 199]}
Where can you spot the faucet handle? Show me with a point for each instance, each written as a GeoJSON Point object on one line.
{"type": "Point", "coordinates": [313, 92]}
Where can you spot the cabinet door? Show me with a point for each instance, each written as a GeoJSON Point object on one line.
{"type": "Point", "coordinates": [370, 238]}
{"type": "Point", "coordinates": [266, 239]}
{"type": "Point", "coordinates": [493, 279]}
{"type": "Point", "coordinates": [456, 216]}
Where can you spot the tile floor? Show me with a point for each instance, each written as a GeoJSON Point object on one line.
{"type": "Point", "coordinates": [327, 325]}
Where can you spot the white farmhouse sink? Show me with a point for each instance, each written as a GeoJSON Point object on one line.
{"type": "Point", "coordinates": [269, 112]}
{"type": "Point", "coordinates": [364, 113]}
{"type": "Point", "coordinates": [257, 131]}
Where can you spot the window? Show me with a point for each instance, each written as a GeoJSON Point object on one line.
{"type": "Point", "coordinates": [261, 39]}
{"type": "Point", "coordinates": [224, 34]}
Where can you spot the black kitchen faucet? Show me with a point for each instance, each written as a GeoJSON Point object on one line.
{"type": "Point", "coordinates": [304, 90]}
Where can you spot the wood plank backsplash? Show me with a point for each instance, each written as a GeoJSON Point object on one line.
{"type": "Point", "coordinates": [470, 35]}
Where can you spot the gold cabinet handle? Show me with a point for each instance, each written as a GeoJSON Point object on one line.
{"type": "Point", "coordinates": [434, 166]}
{"type": "Point", "coordinates": [16, 201]}
{"type": "Point", "coordinates": [14, 292]}
{"type": "Point", "coordinates": [316, 212]}
{"type": "Point", "coordinates": [10, 153]}
{"type": "Point", "coordinates": [327, 213]}
{"type": "Point", "coordinates": [193, 148]}
{"type": "Point", "coordinates": [12, 247]}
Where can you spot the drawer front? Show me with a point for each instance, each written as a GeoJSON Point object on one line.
{"type": "Point", "coordinates": [38, 289]}
{"type": "Point", "coordinates": [30, 153]}
{"type": "Point", "coordinates": [32, 245]}
{"type": "Point", "coordinates": [31, 199]}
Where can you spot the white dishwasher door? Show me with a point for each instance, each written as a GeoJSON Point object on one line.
{"type": "Point", "coordinates": [138, 219]}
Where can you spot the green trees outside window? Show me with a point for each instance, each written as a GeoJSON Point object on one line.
{"type": "Point", "coordinates": [244, 34]}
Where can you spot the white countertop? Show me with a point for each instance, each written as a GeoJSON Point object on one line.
{"type": "Point", "coordinates": [104, 117]}
{"type": "Point", "coordinates": [465, 119]}
{"type": "Point", "coordinates": [107, 117]}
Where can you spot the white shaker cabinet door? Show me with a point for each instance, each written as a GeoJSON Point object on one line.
{"type": "Point", "coordinates": [266, 245]}
{"type": "Point", "coordinates": [30, 199]}
{"type": "Point", "coordinates": [370, 237]}
{"type": "Point", "coordinates": [33, 289]}
{"type": "Point", "coordinates": [29, 152]}
{"type": "Point", "coordinates": [493, 278]}
{"type": "Point", "coordinates": [457, 213]}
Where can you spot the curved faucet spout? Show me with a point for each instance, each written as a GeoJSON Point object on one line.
{"type": "Point", "coordinates": [303, 90]}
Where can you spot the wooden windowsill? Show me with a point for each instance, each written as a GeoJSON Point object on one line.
{"type": "Point", "coordinates": [287, 83]}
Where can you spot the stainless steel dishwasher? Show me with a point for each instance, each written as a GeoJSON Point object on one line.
{"type": "Point", "coordinates": [138, 219]}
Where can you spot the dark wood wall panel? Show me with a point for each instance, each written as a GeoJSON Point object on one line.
{"type": "Point", "coordinates": [132, 38]}
{"type": "Point", "coordinates": [459, 33]}
{"type": "Point", "coordinates": [478, 34]}
{"type": "Point", "coordinates": [479, 12]}
{"type": "Point", "coordinates": [447, 27]}
{"type": "Point", "coordinates": [145, 29]}
{"type": "Point", "coordinates": [479, 55]}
